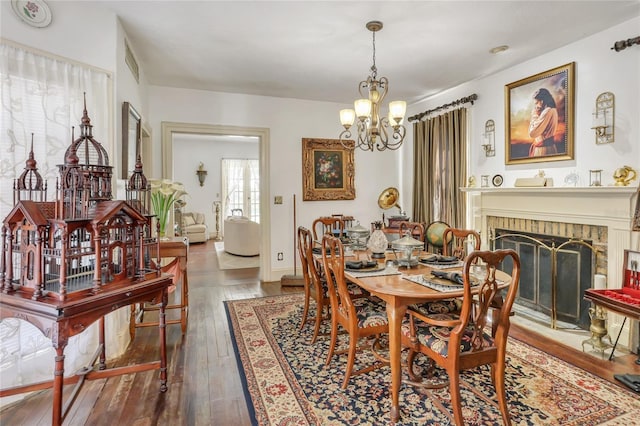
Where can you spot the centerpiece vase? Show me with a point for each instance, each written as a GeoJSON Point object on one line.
{"type": "Point", "coordinates": [378, 242]}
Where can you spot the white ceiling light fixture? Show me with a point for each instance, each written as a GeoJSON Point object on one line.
{"type": "Point", "coordinates": [373, 130]}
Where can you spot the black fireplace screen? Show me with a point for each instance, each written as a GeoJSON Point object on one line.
{"type": "Point", "coordinates": [574, 273]}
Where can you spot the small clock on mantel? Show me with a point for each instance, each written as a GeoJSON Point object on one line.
{"type": "Point", "coordinates": [497, 180]}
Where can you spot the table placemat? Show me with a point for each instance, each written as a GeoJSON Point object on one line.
{"type": "Point", "coordinates": [438, 285]}
{"type": "Point", "coordinates": [377, 273]}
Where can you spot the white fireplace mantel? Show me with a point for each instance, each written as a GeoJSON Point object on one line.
{"type": "Point", "coordinates": [603, 206]}
{"type": "Point", "coordinates": [612, 207]}
{"type": "Point", "coordinates": [609, 206]}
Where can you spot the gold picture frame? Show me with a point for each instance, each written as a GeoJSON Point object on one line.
{"type": "Point", "coordinates": [530, 134]}
{"type": "Point", "coordinates": [327, 170]}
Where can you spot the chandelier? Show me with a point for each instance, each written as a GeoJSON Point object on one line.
{"type": "Point", "coordinates": [373, 131]}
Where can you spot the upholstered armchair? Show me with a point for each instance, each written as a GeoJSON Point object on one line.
{"type": "Point", "coordinates": [194, 228]}
{"type": "Point", "coordinates": [241, 236]}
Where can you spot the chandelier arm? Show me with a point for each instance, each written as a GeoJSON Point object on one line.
{"type": "Point", "coordinates": [363, 141]}
{"type": "Point", "coordinates": [398, 137]}
{"type": "Point", "coordinates": [364, 85]}
{"type": "Point", "coordinates": [344, 137]}
{"type": "Point", "coordinates": [383, 136]}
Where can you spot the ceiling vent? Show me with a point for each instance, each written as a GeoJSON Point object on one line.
{"type": "Point", "coordinates": [131, 62]}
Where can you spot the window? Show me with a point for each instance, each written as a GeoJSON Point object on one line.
{"type": "Point", "coordinates": [46, 96]}
{"type": "Point", "coordinates": [241, 187]}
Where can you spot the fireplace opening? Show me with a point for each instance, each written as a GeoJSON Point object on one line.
{"type": "Point", "coordinates": [575, 263]}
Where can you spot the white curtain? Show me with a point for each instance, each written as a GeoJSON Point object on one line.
{"type": "Point", "coordinates": [44, 95]}
{"type": "Point", "coordinates": [240, 180]}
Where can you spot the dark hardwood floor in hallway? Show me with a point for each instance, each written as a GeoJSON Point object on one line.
{"type": "Point", "coordinates": [204, 384]}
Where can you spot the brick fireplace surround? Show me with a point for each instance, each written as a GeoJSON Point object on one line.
{"type": "Point", "coordinates": [600, 214]}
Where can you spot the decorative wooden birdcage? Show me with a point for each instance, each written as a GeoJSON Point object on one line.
{"type": "Point", "coordinates": [84, 239]}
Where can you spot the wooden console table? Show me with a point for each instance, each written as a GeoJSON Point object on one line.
{"type": "Point", "coordinates": [599, 297]}
{"type": "Point", "coordinates": [60, 320]}
{"type": "Point", "coordinates": [178, 249]}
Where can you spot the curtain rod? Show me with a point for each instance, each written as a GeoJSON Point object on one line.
{"type": "Point", "coordinates": [464, 100]}
{"type": "Point", "coordinates": [623, 44]}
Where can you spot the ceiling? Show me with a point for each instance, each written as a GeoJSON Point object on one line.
{"type": "Point", "coordinates": [321, 50]}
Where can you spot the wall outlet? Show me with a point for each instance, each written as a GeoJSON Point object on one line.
{"type": "Point", "coordinates": [280, 256]}
{"type": "Point", "coordinates": [277, 199]}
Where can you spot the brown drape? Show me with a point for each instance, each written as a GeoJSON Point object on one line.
{"type": "Point", "coordinates": [440, 168]}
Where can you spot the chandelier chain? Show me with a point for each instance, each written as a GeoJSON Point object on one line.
{"type": "Point", "coordinates": [374, 69]}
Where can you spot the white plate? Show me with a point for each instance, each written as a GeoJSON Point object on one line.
{"type": "Point", "coordinates": [34, 12]}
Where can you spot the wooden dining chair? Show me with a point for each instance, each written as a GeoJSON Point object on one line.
{"type": "Point", "coordinates": [464, 341]}
{"type": "Point", "coordinates": [416, 230]}
{"type": "Point", "coordinates": [315, 285]}
{"type": "Point", "coordinates": [459, 241]}
{"type": "Point", "coordinates": [331, 225]}
{"type": "Point", "coordinates": [445, 305]}
{"type": "Point", "coordinates": [360, 317]}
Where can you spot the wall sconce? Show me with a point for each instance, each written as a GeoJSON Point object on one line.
{"type": "Point", "coordinates": [202, 174]}
{"type": "Point", "coordinates": [603, 118]}
{"type": "Point", "coordinates": [489, 138]}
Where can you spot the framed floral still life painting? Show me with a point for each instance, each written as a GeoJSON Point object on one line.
{"type": "Point", "coordinates": [539, 117]}
{"type": "Point", "coordinates": [327, 170]}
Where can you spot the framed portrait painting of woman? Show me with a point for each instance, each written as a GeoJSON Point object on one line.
{"type": "Point", "coordinates": [539, 117]}
{"type": "Point", "coordinates": [327, 170]}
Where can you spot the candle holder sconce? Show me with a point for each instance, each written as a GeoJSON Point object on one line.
{"type": "Point", "coordinates": [489, 138]}
{"type": "Point", "coordinates": [604, 118]}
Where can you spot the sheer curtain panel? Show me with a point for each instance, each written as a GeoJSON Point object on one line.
{"type": "Point", "coordinates": [44, 95]}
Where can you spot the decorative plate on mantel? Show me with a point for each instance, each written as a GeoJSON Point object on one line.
{"type": "Point", "coordinates": [34, 12]}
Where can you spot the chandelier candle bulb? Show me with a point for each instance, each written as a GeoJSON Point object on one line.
{"type": "Point", "coordinates": [347, 117]}
{"type": "Point", "coordinates": [363, 108]}
{"type": "Point", "coordinates": [397, 110]}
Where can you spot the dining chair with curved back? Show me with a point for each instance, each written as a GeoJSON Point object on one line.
{"type": "Point", "coordinates": [360, 317]}
{"type": "Point", "coordinates": [460, 342]}
{"type": "Point", "coordinates": [315, 285]}
{"type": "Point", "coordinates": [459, 241]}
{"type": "Point", "coordinates": [331, 225]}
{"type": "Point", "coordinates": [416, 230]}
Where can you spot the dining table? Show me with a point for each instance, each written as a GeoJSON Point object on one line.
{"type": "Point", "coordinates": [396, 287]}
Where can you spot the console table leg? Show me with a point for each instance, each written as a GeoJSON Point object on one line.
{"type": "Point", "coordinates": [638, 348]}
{"type": "Point", "coordinates": [103, 357]}
{"type": "Point", "coordinates": [184, 301]}
{"type": "Point", "coordinates": [617, 338]}
{"type": "Point", "coordinates": [58, 380]}
{"type": "Point", "coordinates": [163, 342]}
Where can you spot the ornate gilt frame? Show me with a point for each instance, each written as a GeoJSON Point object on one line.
{"type": "Point", "coordinates": [519, 103]}
{"type": "Point", "coordinates": [335, 181]}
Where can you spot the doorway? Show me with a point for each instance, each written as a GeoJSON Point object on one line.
{"type": "Point", "coordinates": [171, 128]}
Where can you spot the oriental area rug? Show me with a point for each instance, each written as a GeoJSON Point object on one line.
{"type": "Point", "coordinates": [286, 381]}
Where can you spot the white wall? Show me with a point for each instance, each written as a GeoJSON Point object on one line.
{"type": "Point", "coordinates": [289, 120]}
{"type": "Point", "coordinates": [598, 69]}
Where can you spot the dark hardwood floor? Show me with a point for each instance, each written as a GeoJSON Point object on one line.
{"type": "Point", "coordinates": [204, 384]}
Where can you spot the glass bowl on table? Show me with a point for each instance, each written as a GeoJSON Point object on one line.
{"type": "Point", "coordinates": [358, 235]}
{"type": "Point", "coordinates": [408, 248]}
